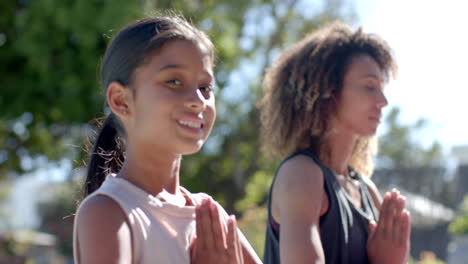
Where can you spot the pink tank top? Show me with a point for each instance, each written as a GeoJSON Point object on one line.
{"type": "Point", "coordinates": [161, 231]}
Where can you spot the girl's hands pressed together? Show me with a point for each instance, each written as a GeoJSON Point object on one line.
{"type": "Point", "coordinates": [216, 241]}
{"type": "Point", "coordinates": [389, 239]}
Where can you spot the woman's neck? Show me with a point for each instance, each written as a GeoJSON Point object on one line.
{"type": "Point", "coordinates": [152, 173]}
{"type": "Point", "coordinates": [337, 150]}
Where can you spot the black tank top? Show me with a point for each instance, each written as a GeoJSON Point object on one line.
{"type": "Point", "coordinates": [343, 228]}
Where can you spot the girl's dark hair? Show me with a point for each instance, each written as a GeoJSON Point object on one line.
{"type": "Point", "coordinates": [301, 87]}
{"type": "Point", "coordinates": [131, 48]}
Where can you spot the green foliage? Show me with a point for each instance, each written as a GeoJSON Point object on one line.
{"type": "Point", "coordinates": [49, 63]}
{"type": "Point", "coordinates": [14, 251]}
{"type": "Point", "coordinates": [255, 191]}
{"type": "Point", "coordinates": [398, 147]}
{"type": "Point", "coordinates": [4, 192]}
{"type": "Point", "coordinates": [253, 225]}
{"type": "Point", "coordinates": [428, 257]}
{"type": "Point", "coordinates": [460, 223]}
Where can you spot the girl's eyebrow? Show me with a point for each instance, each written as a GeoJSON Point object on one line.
{"type": "Point", "coordinates": [180, 66]}
{"type": "Point", "coordinates": [171, 66]}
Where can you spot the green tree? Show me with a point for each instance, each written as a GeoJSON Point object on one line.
{"type": "Point", "coordinates": [399, 146]}
{"type": "Point", "coordinates": [460, 224]}
{"type": "Point", "coordinates": [49, 53]}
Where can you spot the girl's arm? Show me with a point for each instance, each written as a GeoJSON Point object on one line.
{"type": "Point", "coordinates": [102, 233]}
{"type": "Point", "coordinates": [297, 197]}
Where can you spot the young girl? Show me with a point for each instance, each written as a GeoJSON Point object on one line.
{"type": "Point", "coordinates": [322, 104]}
{"type": "Point", "coordinates": [157, 76]}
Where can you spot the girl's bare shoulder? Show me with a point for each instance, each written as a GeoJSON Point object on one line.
{"type": "Point", "coordinates": [100, 221]}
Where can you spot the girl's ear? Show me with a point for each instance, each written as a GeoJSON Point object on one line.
{"type": "Point", "coordinates": [119, 98]}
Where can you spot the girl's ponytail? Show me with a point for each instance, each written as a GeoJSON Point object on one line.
{"type": "Point", "coordinates": [106, 156]}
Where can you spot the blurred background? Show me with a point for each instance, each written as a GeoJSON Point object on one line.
{"type": "Point", "coordinates": [50, 52]}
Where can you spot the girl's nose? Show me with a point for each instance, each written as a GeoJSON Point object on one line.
{"type": "Point", "coordinates": [196, 101]}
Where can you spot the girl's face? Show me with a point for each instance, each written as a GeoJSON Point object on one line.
{"type": "Point", "coordinates": [173, 105]}
{"type": "Point", "coordinates": [362, 97]}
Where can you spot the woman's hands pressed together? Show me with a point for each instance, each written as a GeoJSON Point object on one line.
{"type": "Point", "coordinates": [389, 239]}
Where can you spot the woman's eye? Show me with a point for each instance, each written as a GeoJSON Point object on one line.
{"type": "Point", "coordinates": [371, 88]}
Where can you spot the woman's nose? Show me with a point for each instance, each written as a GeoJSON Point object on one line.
{"type": "Point", "coordinates": [382, 100]}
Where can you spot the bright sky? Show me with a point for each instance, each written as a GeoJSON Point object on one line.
{"type": "Point", "coordinates": [430, 41]}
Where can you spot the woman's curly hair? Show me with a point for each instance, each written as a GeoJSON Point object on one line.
{"type": "Point", "coordinates": [301, 88]}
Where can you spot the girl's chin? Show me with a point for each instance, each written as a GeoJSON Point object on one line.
{"type": "Point", "coordinates": [192, 148]}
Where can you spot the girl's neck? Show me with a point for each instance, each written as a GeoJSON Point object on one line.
{"type": "Point", "coordinates": [337, 151]}
{"type": "Point", "coordinates": [152, 173]}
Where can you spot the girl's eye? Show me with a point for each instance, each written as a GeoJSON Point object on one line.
{"type": "Point", "coordinates": [175, 82]}
{"type": "Point", "coordinates": [206, 89]}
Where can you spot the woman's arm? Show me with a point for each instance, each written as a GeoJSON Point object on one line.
{"type": "Point", "coordinates": [103, 235]}
{"type": "Point", "coordinates": [297, 196]}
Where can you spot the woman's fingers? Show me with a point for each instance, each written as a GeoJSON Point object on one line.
{"type": "Point", "coordinates": [405, 228]}
{"type": "Point", "coordinates": [397, 223]}
{"type": "Point", "coordinates": [372, 228]}
{"type": "Point", "coordinates": [383, 216]}
{"type": "Point", "coordinates": [391, 214]}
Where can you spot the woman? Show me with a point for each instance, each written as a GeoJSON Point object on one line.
{"type": "Point", "coordinates": [320, 110]}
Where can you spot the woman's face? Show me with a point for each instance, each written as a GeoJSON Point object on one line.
{"type": "Point", "coordinates": [359, 108]}
{"type": "Point", "coordinates": [173, 106]}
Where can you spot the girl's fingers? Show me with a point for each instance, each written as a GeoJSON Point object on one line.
{"type": "Point", "coordinates": [216, 227]}
{"type": "Point", "coordinates": [204, 233]}
{"type": "Point", "coordinates": [198, 226]}
{"type": "Point", "coordinates": [231, 240]}
{"type": "Point", "coordinates": [193, 248]}
{"type": "Point", "coordinates": [238, 248]}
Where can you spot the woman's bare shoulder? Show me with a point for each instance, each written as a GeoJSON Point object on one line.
{"type": "Point", "coordinates": [299, 171]}
{"type": "Point", "coordinates": [302, 177]}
